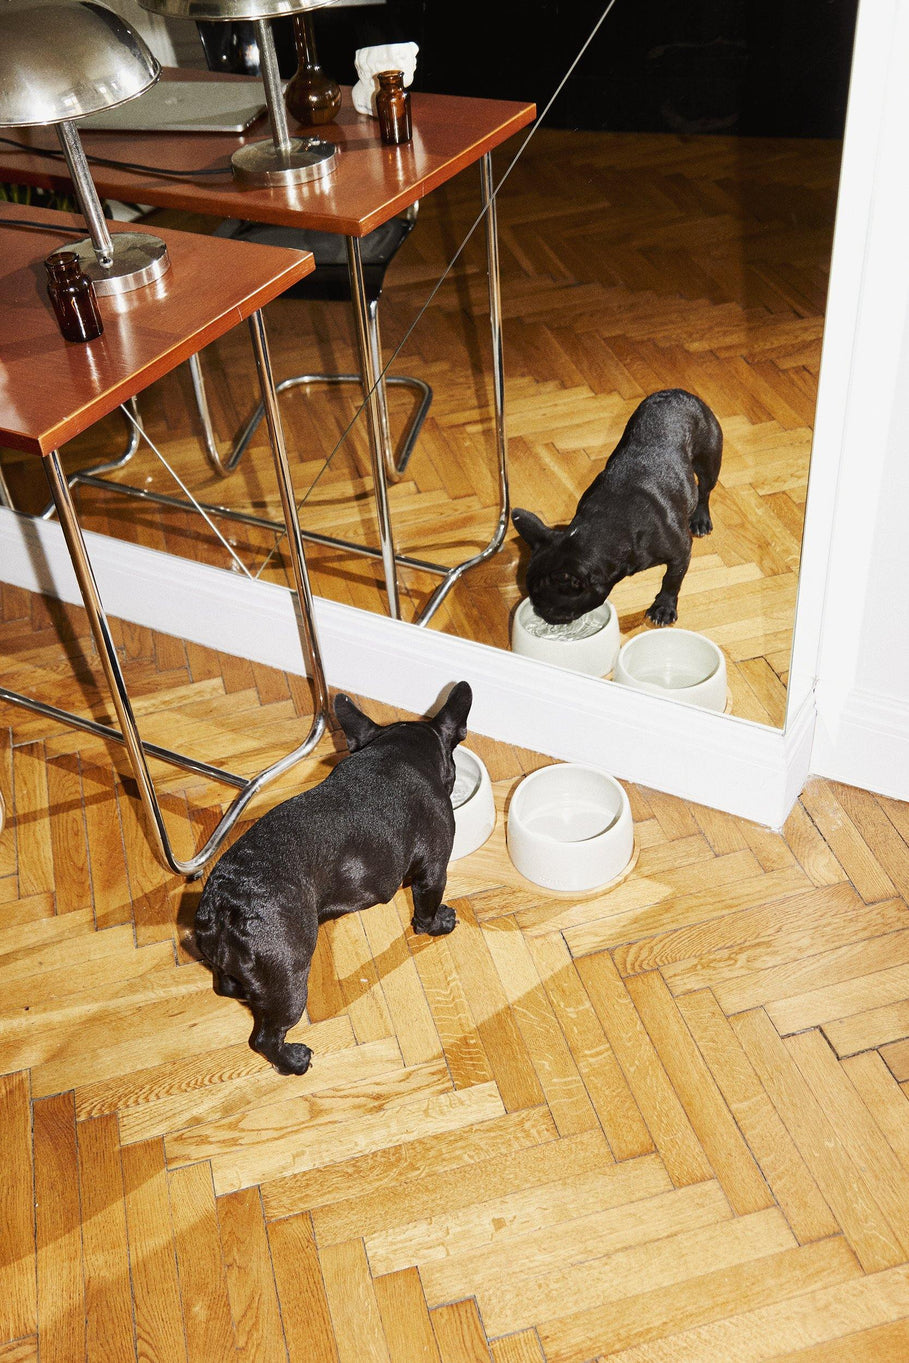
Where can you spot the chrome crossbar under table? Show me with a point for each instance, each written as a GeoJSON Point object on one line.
{"type": "Point", "coordinates": [138, 751]}
{"type": "Point", "coordinates": [383, 467]}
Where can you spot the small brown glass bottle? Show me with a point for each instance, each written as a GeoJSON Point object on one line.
{"type": "Point", "coordinates": [393, 108]}
{"type": "Point", "coordinates": [72, 297]}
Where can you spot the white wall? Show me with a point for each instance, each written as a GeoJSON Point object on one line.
{"type": "Point", "coordinates": [862, 621]}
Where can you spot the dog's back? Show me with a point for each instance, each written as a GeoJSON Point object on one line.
{"type": "Point", "coordinates": [666, 437]}
{"type": "Point", "coordinates": [347, 843]}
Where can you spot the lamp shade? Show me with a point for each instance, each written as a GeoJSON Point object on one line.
{"type": "Point", "coordinates": [217, 10]}
{"type": "Point", "coordinates": [59, 62]}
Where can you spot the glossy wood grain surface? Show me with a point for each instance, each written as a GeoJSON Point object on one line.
{"type": "Point", "coordinates": [370, 184]}
{"type": "Point", "coordinates": [52, 389]}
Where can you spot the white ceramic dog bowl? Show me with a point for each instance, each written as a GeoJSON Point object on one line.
{"type": "Point", "coordinates": [589, 644]}
{"type": "Point", "coordinates": [474, 806]}
{"type": "Point", "coordinates": [570, 828]}
{"type": "Point", "coordinates": [676, 663]}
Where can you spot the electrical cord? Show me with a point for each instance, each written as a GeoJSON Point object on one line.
{"type": "Point", "coordinates": [44, 226]}
{"type": "Point", "coordinates": [118, 165]}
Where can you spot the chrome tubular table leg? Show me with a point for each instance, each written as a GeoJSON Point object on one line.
{"type": "Point", "coordinates": [370, 365]}
{"type": "Point", "coordinates": [498, 380]}
{"type": "Point", "coordinates": [132, 444]}
{"type": "Point", "coordinates": [128, 733]}
{"type": "Point", "coordinates": [289, 505]}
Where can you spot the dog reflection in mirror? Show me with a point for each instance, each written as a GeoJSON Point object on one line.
{"type": "Point", "coordinates": [383, 818]}
{"type": "Point", "coordinates": [642, 510]}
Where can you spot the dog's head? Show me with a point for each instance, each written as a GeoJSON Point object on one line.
{"type": "Point", "coordinates": [449, 723]}
{"type": "Point", "coordinates": [563, 581]}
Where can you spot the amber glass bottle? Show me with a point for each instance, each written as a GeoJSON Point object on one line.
{"type": "Point", "coordinates": [72, 297]}
{"type": "Point", "coordinates": [393, 108]}
{"type": "Point", "coordinates": [311, 96]}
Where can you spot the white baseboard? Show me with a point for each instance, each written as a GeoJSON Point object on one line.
{"type": "Point", "coordinates": [863, 740]}
{"type": "Point", "coordinates": [728, 763]}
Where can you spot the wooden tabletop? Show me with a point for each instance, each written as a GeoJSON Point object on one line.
{"type": "Point", "coordinates": [370, 184]}
{"type": "Point", "coordinates": [52, 389]}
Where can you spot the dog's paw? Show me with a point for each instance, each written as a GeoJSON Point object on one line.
{"type": "Point", "coordinates": [700, 523]}
{"type": "Point", "coordinates": [441, 925]}
{"type": "Point", "coordinates": [661, 614]}
{"type": "Point", "coordinates": [293, 1058]}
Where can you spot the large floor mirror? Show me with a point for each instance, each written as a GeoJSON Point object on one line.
{"type": "Point", "coordinates": [668, 224]}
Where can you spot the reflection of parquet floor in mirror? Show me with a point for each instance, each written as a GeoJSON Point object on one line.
{"type": "Point", "coordinates": [629, 263]}
{"type": "Point", "coordinates": [671, 1123]}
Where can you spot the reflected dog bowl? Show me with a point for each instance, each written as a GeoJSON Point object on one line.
{"type": "Point", "coordinates": [473, 803]}
{"type": "Point", "coordinates": [676, 663]}
{"type": "Point", "coordinates": [570, 828]}
{"type": "Point", "coordinates": [589, 644]}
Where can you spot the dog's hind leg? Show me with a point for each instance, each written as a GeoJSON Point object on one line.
{"type": "Point", "coordinates": [706, 462]}
{"type": "Point", "coordinates": [429, 913]}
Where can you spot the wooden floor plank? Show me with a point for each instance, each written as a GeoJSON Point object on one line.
{"type": "Point", "coordinates": [152, 1254]}
{"type": "Point", "coordinates": [200, 1265]}
{"type": "Point", "coordinates": [108, 1297]}
{"type": "Point", "coordinates": [408, 1328]}
{"type": "Point", "coordinates": [18, 1303]}
{"type": "Point", "coordinates": [355, 1314]}
{"type": "Point", "coordinates": [459, 1333]}
{"type": "Point", "coordinates": [60, 1274]}
{"type": "Point", "coordinates": [301, 1291]}
{"type": "Point", "coordinates": [250, 1277]}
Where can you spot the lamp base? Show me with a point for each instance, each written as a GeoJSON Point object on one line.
{"type": "Point", "coordinates": [262, 163]}
{"type": "Point", "coordinates": [139, 258]}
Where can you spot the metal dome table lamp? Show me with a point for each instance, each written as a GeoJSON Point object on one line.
{"type": "Point", "coordinates": [61, 62]}
{"type": "Point", "coordinates": [285, 159]}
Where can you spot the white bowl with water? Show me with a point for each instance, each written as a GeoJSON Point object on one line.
{"type": "Point", "coordinates": [473, 804]}
{"type": "Point", "coordinates": [589, 644]}
{"type": "Point", "coordinates": [570, 828]}
{"type": "Point", "coordinates": [676, 663]}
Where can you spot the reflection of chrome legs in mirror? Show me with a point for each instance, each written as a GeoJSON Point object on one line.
{"type": "Point", "coordinates": [498, 379]}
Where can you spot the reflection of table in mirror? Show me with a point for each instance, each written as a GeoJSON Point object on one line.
{"type": "Point", "coordinates": [53, 390]}
{"type": "Point", "coordinates": [370, 185]}
{"type": "Point", "coordinates": [629, 263]}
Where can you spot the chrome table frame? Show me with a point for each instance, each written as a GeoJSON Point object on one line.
{"type": "Point", "coordinates": [128, 734]}
{"type": "Point", "coordinates": [382, 461]}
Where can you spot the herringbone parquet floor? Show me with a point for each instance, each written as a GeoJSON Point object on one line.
{"type": "Point", "coordinates": [668, 1123]}
{"type": "Point", "coordinates": [629, 263]}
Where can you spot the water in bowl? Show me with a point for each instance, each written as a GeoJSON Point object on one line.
{"type": "Point", "coordinates": [672, 675]}
{"type": "Point", "coordinates": [582, 628]}
{"type": "Point", "coordinates": [467, 781]}
{"type": "Point", "coordinates": [574, 822]}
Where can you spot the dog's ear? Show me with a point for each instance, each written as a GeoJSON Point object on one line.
{"type": "Point", "coordinates": [451, 721]}
{"type": "Point", "coordinates": [531, 528]}
{"type": "Point", "coordinates": [358, 728]}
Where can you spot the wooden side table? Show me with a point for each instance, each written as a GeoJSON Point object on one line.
{"type": "Point", "coordinates": [371, 184]}
{"type": "Point", "coordinates": [52, 390]}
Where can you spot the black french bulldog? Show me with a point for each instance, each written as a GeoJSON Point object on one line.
{"type": "Point", "coordinates": [642, 509]}
{"type": "Point", "coordinates": [382, 818]}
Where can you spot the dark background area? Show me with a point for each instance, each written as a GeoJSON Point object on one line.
{"type": "Point", "coordinates": [778, 68]}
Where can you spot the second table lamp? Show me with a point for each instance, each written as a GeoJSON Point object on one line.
{"type": "Point", "coordinates": [285, 159]}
